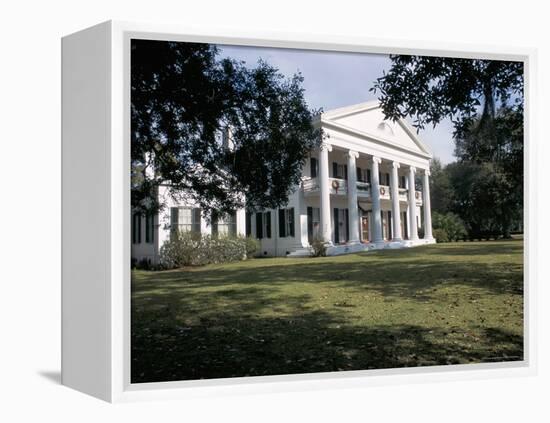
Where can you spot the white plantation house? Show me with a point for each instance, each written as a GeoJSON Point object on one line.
{"type": "Point", "coordinates": [359, 191]}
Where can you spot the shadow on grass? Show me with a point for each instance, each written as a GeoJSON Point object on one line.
{"type": "Point", "coordinates": [390, 273]}
{"type": "Point", "coordinates": [264, 317]}
{"type": "Point", "coordinates": [312, 342]}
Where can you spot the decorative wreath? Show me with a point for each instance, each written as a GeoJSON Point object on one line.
{"type": "Point", "coordinates": [335, 184]}
{"type": "Point", "coordinates": [382, 190]}
{"type": "Point", "coordinates": [417, 195]}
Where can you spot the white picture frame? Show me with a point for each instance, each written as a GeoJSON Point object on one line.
{"type": "Point", "coordinates": [96, 160]}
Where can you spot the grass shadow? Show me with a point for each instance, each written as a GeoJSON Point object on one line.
{"type": "Point", "coordinates": [433, 305]}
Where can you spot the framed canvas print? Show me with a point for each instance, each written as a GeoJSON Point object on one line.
{"type": "Point", "coordinates": [248, 212]}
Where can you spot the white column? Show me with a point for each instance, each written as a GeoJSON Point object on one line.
{"type": "Point", "coordinates": [412, 206]}
{"type": "Point", "coordinates": [396, 211]}
{"type": "Point", "coordinates": [375, 194]}
{"type": "Point", "coordinates": [326, 229]}
{"type": "Point", "coordinates": [353, 211]}
{"type": "Point", "coordinates": [426, 205]}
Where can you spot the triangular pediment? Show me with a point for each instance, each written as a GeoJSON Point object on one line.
{"type": "Point", "coordinates": [368, 120]}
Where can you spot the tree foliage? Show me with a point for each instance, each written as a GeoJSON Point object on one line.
{"type": "Point", "coordinates": [430, 89]}
{"type": "Point", "coordinates": [484, 199]}
{"type": "Point", "coordinates": [448, 227]}
{"type": "Point", "coordinates": [484, 100]}
{"type": "Point", "coordinates": [183, 98]}
{"type": "Point", "coordinates": [441, 190]}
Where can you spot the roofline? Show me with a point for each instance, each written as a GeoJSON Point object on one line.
{"type": "Point", "coordinates": [326, 118]}
{"type": "Point", "coordinates": [351, 109]}
{"type": "Point", "coordinates": [372, 137]}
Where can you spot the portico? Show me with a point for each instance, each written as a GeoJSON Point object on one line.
{"type": "Point", "coordinates": [375, 196]}
{"type": "Point", "coordinates": [367, 186]}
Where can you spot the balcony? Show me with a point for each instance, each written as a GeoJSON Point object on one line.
{"type": "Point", "coordinates": [337, 186]}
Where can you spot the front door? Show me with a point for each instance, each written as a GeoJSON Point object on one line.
{"type": "Point", "coordinates": [365, 228]}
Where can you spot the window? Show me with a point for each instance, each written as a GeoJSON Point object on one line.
{"type": "Point", "coordinates": [226, 225]}
{"type": "Point", "coordinates": [313, 223]}
{"type": "Point", "coordinates": [286, 222]}
{"type": "Point", "coordinates": [263, 225]}
{"type": "Point", "coordinates": [402, 182]}
{"type": "Point", "coordinates": [185, 219]}
{"type": "Point", "coordinates": [339, 171]}
{"type": "Point", "coordinates": [384, 178]}
{"type": "Point", "coordinates": [360, 175]}
{"type": "Point", "coordinates": [340, 220]}
{"type": "Point", "coordinates": [314, 167]}
{"type": "Point", "coordinates": [150, 228]}
{"type": "Point", "coordinates": [136, 228]}
{"type": "Point", "coordinates": [363, 175]}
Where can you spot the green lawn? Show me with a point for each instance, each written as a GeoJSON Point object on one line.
{"type": "Point", "coordinates": [439, 304]}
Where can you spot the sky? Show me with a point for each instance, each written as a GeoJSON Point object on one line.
{"type": "Point", "coordinates": [337, 79]}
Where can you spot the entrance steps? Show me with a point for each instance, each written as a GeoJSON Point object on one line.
{"type": "Point", "coordinates": [336, 250]}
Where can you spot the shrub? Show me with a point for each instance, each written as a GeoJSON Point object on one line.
{"type": "Point", "coordinates": [318, 248]}
{"type": "Point", "coordinates": [224, 249]}
{"type": "Point", "coordinates": [441, 235]}
{"type": "Point", "coordinates": [192, 249]}
{"type": "Point", "coordinates": [180, 250]}
{"type": "Point", "coordinates": [252, 246]}
{"type": "Point", "coordinates": [452, 226]}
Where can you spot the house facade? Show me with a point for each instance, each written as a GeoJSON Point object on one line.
{"type": "Point", "coordinates": [366, 187]}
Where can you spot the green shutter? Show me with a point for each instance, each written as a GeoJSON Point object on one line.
{"type": "Point", "coordinates": [268, 224]}
{"type": "Point", "coordinates": [310, 224]}
{"type": "Point", "coordinates": [291, 215]}
{"type": "Point", "coordinates": [259, 226]}
{"type": "Point", "coordinates": [282, 223]}
{"type": "Point", "coordinates": [248, 224]}
{"type": "Point", "coordinates": [313, 167]}
{"type": "Point", "coordinates": [134, 229]}
{"type": "Point", "coordinates": [196, 220]}
{"type": "Point", "coordinates": [232, 222]}
{"type": "Point", "coordinates": [149, 228]}
{"type": "Point", "coordinates": [347, 224]}
{"type": "Point", "coordinates": [138, 228]}
{"type": "Point", "coordinates": [214, 224]}
{"type": "Point", "coordinates": [390, 227]}
{"type": "Point", "coordinates": [336, 228]}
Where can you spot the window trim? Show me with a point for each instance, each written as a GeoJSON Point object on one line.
{"type": "Point", "coordinates": [287, 223]}
{"type": "Point", "coordinates": [195, 217]}
{"type": "Point", "coordinates": [229, 222]}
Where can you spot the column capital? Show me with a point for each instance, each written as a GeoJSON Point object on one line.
{"type": "Point", "coordinates": [376, 159]}
{"type": "Point", "coordinates": [412, 169]}
{"type": "Point", "coordinates": [396, 165]}
{"type": "Point", "coordinates": [325, 146]}
{"type": "Point", "coordinates": [351, 153]}
{"type": "Point", "coordinates": [427, 172]}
